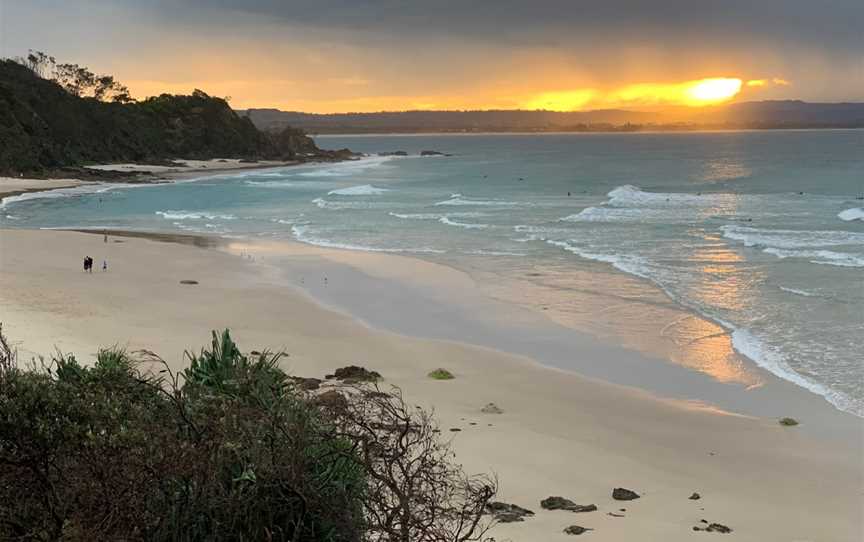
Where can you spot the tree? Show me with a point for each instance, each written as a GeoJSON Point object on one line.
{"type": "Point", "coordinates": [38, 62]}
{"type": "Point", "coordinates": [415, 490]}
{"type": "Point", "coordinates": [76, 80]}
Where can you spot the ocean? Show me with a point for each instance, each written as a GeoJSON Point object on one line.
{"type": "Point", "coordinates": [708, 248]}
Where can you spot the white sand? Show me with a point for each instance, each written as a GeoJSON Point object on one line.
{"type": "Point", "coordinates": [15, 185]}
{"type": "Point", "coordinates": [560, 434]}
{"type": "Point", "coordinates": [191, 166]}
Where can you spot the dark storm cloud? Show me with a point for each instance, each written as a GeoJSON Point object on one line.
{"type": "Point", "coordinates": [448, 51]}
{"type": "Point", "coordinates": [832, 24]}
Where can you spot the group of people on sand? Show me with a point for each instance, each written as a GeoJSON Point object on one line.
{"type": "Point", "coordinates": [88, 264]}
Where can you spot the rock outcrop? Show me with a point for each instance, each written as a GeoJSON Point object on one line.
{"type": "Point", "coordinates": [622, 494]}
{"type": "Point", "coordinates": [507, 513]}
{"type": "Point", "coordinates": [560, 503]}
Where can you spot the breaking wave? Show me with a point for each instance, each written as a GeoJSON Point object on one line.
{"type": "Point", "coordinates": [856, 213]}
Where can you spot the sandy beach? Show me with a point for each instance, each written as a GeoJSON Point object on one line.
{"type": "Point", "coordinates": [10, 186]}
{"type": "Point", "coordinates": [559, 434]}
{"type": "Point", "coordinates": [184, 169]}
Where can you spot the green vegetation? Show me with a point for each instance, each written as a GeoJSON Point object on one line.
{"type": "Point", "coordinates": [788, 422]}
{"type": "Point", "coordinates": [227, 449]}
{"type": "Point", "coordinates": [441, 374]}
{"type": "Point", "coordinates": [60, 115]}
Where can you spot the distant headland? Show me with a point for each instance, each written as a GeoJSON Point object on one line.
{"type": "Point", "coordinates": [785, 114]}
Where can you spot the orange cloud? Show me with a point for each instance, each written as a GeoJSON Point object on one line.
{"type": "Point", "coordinates": [694, 93]}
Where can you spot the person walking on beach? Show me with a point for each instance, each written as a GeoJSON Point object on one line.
{"type": "Point", "coordinates": [86, 263]}
{"type": "Point", "coordinates": [104, 265]}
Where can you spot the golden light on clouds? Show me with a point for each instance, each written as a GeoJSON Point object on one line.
{"type": "Point", "coordinates": [698, 92]}
{"type": "Point", "coordinates": [570, 100]}
{"type": "Point", "coordinates": [713, 90]}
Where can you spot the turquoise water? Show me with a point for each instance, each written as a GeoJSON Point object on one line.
{"type": "Point", "coordinates": [759, 232]}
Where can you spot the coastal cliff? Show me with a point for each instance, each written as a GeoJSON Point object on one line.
{"type": "Point", "coordinates": [44, 128]}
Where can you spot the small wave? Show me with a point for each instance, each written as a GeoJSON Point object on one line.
{"type": "Point", "coordinates": [856, 213]}
{"type": "Point", "coordinates": [273, 184]}
{"type": "Point", "coordinates": [287, 222]}
{"type": "Point", "coordinates": [70, 192]}
{"type": "Point", "coordinates": [822, 257]}
{"type": "Point", "coordinates": [449, 222]}
{"type": "Point", "coordinates": [459, 200]}
{"type": "Point", "coordinates": [361, 190]}
{"type": "Point", "coordinates": [341, 169]}
{"type": "Point", "coordinates": [746, 343]}
{"type": "Point", "coordinates": [635, 265]}
{"type": "Point", "coordinates": [193, 215]}
{"type": "Point", "coordinates": [344, 204]}
{"type": "Point", "coordinates": [617, 214]}
{"type": "Point", "coordinates": [633, 196]}
{"type": "Point", "coordinates": [797, 292]}
{"type": "Point", "coordinates": [435, 216]}
{"type": "Point", "coordinates": [495, 253]}
{"type": "Point", "coordinates": [301, 233]}
{"type": "Point", "coordinates": [790, 239]}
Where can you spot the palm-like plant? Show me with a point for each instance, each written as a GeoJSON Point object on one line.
{"type": "Point", "coordinates": [224, 369]}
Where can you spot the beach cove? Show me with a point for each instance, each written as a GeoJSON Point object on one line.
{"type": "Point", "coordinates": [559, 433]}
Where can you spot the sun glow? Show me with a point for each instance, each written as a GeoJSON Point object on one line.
{"type": "Point", "coordinates": [714, 90]}
{"type": "Point", "coordinates": [708, 91]}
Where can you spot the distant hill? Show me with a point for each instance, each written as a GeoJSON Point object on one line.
{"type": "Point", "coordinates": [767, 114]}
{"type": "Point", "coordinates": [43, 127]}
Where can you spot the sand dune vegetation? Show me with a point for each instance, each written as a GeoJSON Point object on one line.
{"type": "Point", "coordinates": [226, 449]}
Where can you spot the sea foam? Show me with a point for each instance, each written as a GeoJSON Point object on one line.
{"type": "Point", "coordinates": [361, 190]}
{"type": "Point", "coordinates": [856, 213]}
{"type": "Point", "coordinates": [791, 239]}
{"type": "Point", "coordinates": [193, 215]}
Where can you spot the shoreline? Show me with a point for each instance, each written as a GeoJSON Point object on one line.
{"type": "Point", "coordinates": [639, 376]}
{"type": "Point", "coordinates": [402, 278]}
{"type": "Point", "coordinates": [563, 434]}
{"type": "Point", "coordinates": [808, 402]}
{"type": "Point", "coordinates": [144, 174]}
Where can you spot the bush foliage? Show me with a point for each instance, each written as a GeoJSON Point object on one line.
{"type": "Point", "coordinates": [228, 449]}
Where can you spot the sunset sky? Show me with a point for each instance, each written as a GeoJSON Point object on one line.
{"type": "Point", "coordinates": [366, 55]}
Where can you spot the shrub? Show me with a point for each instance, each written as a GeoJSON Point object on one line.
{"type": "Point", "coordinates": [227, 449]}
{"type": "Point", "coordinates": [441, 374]}
{"type": "Point", "coordinates": [112, 452]}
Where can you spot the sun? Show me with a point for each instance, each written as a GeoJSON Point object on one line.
{"type": "Point", "coordinates": [717, 89]}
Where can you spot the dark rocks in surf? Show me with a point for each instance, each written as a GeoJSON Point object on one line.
{"type": "Point", "coordinates": [434, 153]}
{"type": "Point", "coordinates": [560, 503]}
{"type": "Point", "coordinates": [622, 494]}
{"type": "Point", "coordinates": [507, 513]}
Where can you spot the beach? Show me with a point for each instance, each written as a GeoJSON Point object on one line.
{"type": "Point", "coordinates": [559, 434]}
